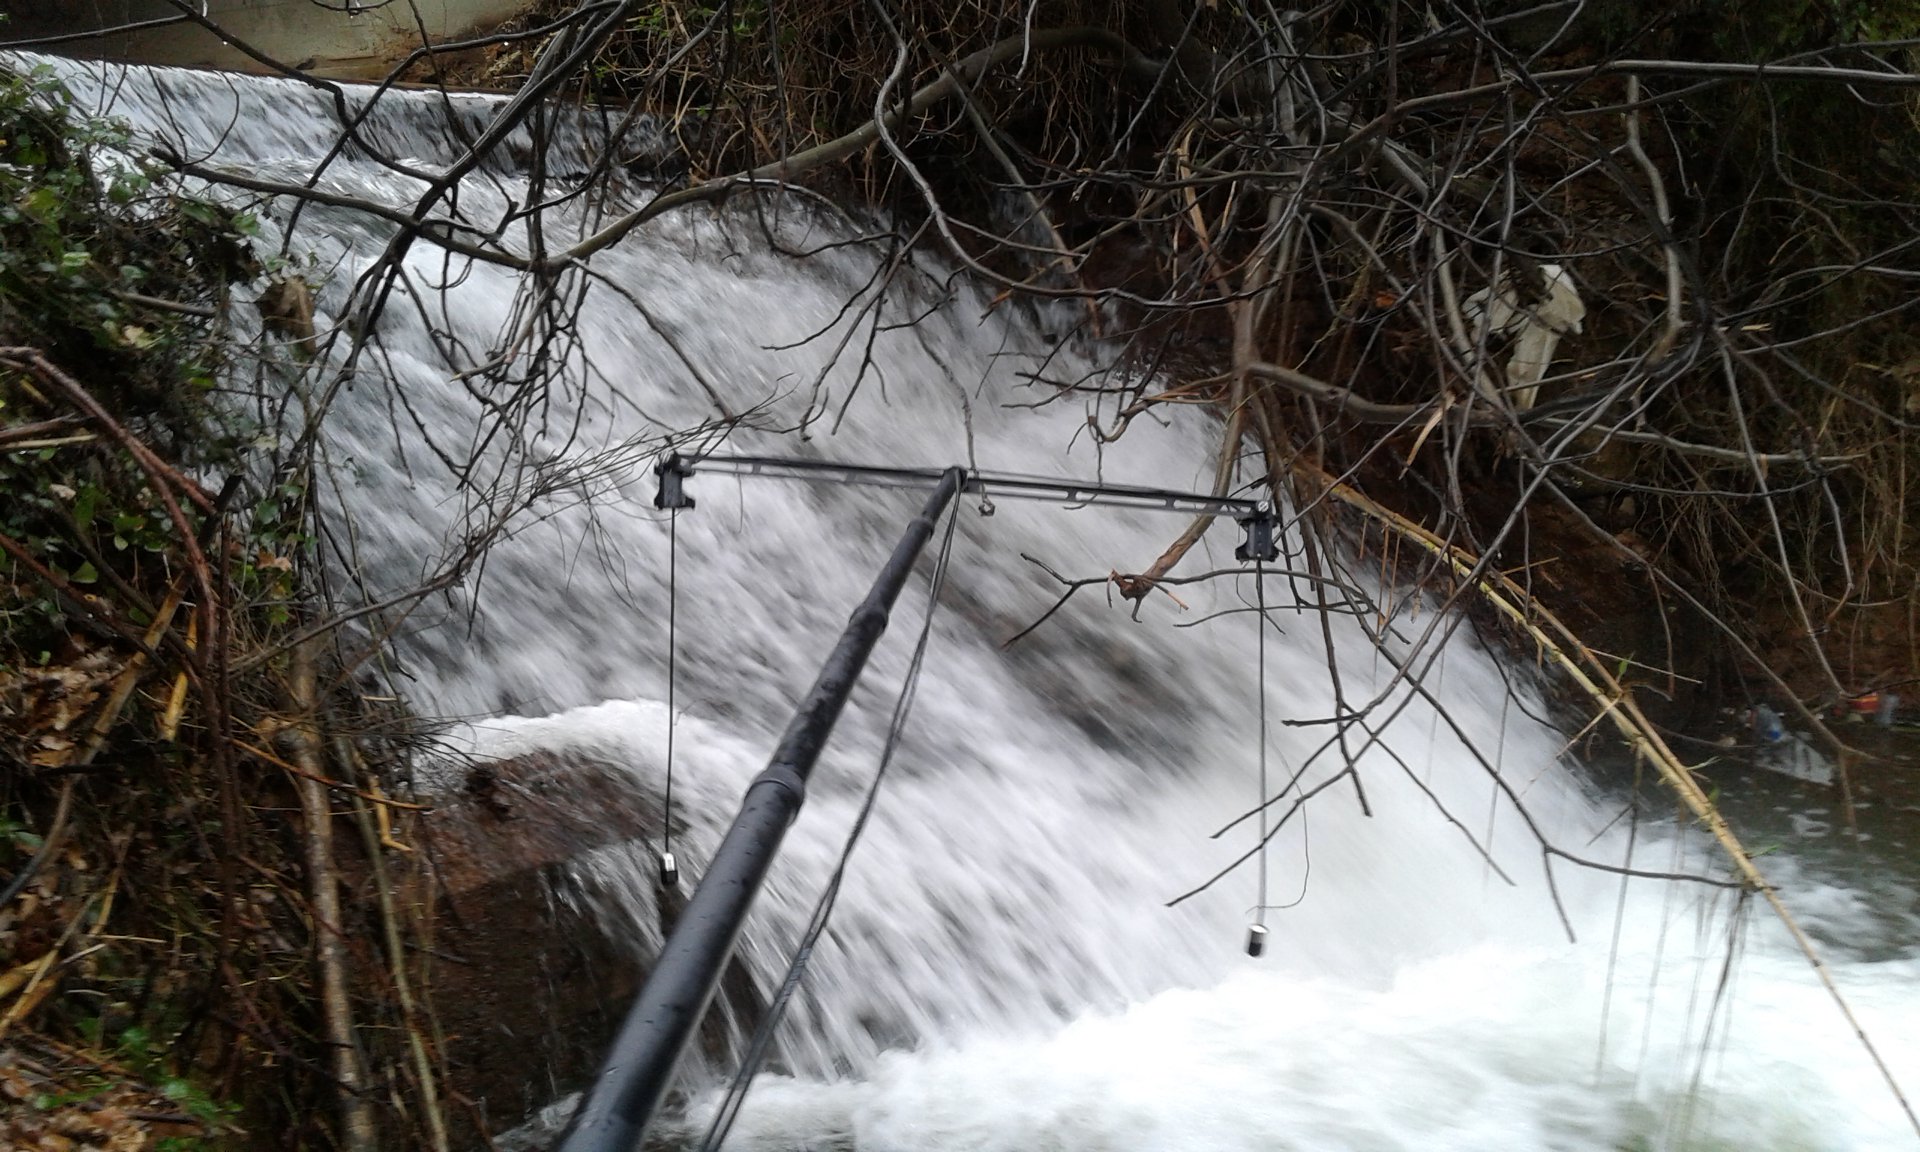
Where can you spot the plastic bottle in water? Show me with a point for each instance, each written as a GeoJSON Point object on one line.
{"type": "Point", "coordinates": [1767, 725]}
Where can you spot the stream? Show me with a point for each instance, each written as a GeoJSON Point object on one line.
{"type": "Point", "coordinates": [1003, 970]}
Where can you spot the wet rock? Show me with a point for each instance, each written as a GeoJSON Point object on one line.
{"type": "Point", "coordinates": [527, 990]}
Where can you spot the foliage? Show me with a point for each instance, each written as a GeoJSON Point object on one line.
{"type": "Point", "coordinates": [100, 267]}
{"type": "Point", "coordinates": [86, 236]}
{"type": "Point", "coordinates": [157, 976]}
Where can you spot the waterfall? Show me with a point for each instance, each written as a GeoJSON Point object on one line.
{"type": "Point", "coordinates": [1003, 971]}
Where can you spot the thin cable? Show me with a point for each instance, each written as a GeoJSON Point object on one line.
{"type": "Point", "coordinates": [669, 871]}
{"type": "Point", "coordinates": [756, 1053]}
{"type": "Point", "coordinates": [1260, 622]}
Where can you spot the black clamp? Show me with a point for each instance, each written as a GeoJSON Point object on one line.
{"type": "Point", "coordinates": [672, 474]}
{"type": "Point", "coordinates": [1261, 542]}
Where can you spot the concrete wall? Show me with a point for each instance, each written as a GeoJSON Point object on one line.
{"type": "Point", "coordinates": [339, 38]}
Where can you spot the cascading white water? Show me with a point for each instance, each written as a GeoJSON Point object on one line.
{"type": "Point", "coordinates": [1001, 972]}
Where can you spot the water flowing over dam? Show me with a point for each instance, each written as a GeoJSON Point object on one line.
{"type": "Point", "coordinates": [1003, 970]}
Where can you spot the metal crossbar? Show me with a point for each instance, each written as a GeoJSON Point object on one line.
{"type": "Point", "coordinates": [1002, 485]}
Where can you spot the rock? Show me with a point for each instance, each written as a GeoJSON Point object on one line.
{"type": "Point", "coordinates": [527, 990]}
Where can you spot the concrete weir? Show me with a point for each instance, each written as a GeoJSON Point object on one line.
{"type": "Point", "coordinates": [343, 39]}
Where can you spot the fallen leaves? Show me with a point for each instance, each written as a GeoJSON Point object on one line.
{"type": "Point", "coordinates": [43, 706]}
{"type": "Point", "coordinates": [56, 1100]}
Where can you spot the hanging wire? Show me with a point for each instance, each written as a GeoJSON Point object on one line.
{"type": "Point", "coordinates": [669, 867]}
{"type": "Point", "coordinates": [1257, 932]}
{"type": "Point", "coordinates": [762, 1042]}
{"type": "Point", "coordinates": [1260, 622]}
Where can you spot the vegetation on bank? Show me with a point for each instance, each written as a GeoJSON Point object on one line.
{"type": "Point", "coordinates": [166, 905]}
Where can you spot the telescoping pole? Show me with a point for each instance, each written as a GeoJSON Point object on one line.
{"type": "Point", "coordinates": [638, 1069]}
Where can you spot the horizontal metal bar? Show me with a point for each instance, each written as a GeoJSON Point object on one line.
{"type": "Point", "coordinates": [991, 484]}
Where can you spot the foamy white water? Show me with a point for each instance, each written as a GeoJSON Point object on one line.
{"type": "Point", "coordinates": [1002, 972]}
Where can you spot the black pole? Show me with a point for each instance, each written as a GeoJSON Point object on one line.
{"type": "Point", "coordinates": [639, 1067]}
